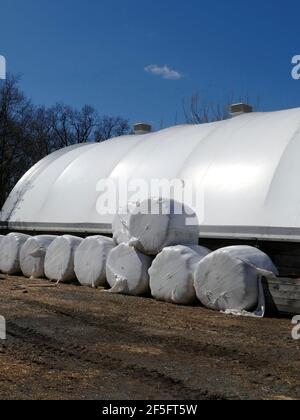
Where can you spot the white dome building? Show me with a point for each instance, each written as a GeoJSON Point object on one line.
{"type": "Point", "coordinates": [246, 169]}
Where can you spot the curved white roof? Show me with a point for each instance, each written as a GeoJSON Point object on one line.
{"type": "Point", "coordinates": [247, 169]}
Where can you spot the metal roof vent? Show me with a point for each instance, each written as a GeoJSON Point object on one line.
{"type": "Point", "coordinates": [142, 128]}
{"type": "Point", "coordinates": [240, 109]}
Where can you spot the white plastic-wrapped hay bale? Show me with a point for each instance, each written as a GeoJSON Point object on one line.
{"type": "Point", "coordinates": [32, 256]}
{"type": "Point", "coordinates": [154, 224]}
{"type": "Point", "coordinates": [59, 261]}
{"type": "Point", "coordinates": [172, 274]}
{"type": "Point", "coordinates": [229, 280]}
{"type": "Point", "coordinates": [90, 261]}
{"type": "Point", "coordinates": [127, 271]}
{"type": "Point", "coordinates": [10, 249]}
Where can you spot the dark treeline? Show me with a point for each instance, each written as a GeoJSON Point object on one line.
{"type": "Point", "coordinates": [28, 132]}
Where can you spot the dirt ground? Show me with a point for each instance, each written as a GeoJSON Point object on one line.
{"type": "Point", "coordinates": [71, 342]}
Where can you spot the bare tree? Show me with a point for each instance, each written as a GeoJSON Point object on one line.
{"type": "Point", "coordinates": [15, 112]}
{"type": "Point", "coordinates": [83, 123]}
{"type": "Point", "coordinates": [41, 133]}
{"type": "Point", "coordinates": [109, 127]}
{"type": "Point", "coordinates": [200, 111]}
{"type": "Point", "coordinates": [61, 124]}
{"type": "Point", "coordinates": [71, 126]}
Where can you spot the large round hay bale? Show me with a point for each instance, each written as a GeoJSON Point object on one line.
{"type": "Point", "coordinates": [172, 274]}
{"type": "Point", "coordinates": [32, 256]}
{"type": "Point", "coordinates": [127, 271]}
{"type": "Point", "coordinates": [230, 279]}
{"type": "Point", "coordinates": [90, 261]}
{"type": "Point", "coordinates": [59, 261]}
{"type": "Point", "coordinates": [154, 224]}
{"type": "Point", "coordinates": [10, 253]}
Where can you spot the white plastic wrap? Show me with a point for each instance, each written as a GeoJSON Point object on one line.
{"type": "Point", "coordinates": [120, 227]}
{"type": "Point", "coordinates": [127, 271]}
{"type": "Point", "coordinates": [229, 280]}
{"type": "Point", "coordinates": [90, 261]}
{"type": "Point", "coordinates": [10, 253]}
{"type": "Point", "coordinates": [59, 261]}
{"type": "Point", "coordinates": [172, 274]}
{"type": "Point", "coordinates": [158, 228]}
{"type": "Point", "coordinates": [32, 256]}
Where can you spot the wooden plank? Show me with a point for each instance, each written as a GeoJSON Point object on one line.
{"type": "Point", "coordinates": [283, 295]}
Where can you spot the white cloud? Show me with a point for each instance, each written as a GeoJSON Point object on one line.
{"type": "Point", "coordinates": [165, 72]}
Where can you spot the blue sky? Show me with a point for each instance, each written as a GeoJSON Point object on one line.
{"type": "Point", "coordinates": [96, 52]}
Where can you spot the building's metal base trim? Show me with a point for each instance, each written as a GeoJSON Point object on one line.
{"type": "Point", "coordinates": [58, 227]}
{"type": "Point", "coordinates": [209, 232]}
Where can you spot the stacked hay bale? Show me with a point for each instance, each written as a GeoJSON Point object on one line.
{"type": "Point", "coordinates": [229, 280]}
{"type": "Point", "coordinates": [10, 250]}
{"type": "Point", "coordinates": [151, 225]}
{"type": "Point", "coordinates": [90, 261]}
{"type": "Point", "coordinates": [172, 274]}
{"type": "Point", "coordinates": [32, 256]}
{"type": "Point", "coordinates": [59, 260]}
{"type": "Point", "coordinates": [127, 271]}
{"type": "Point", "coordinates": [180, 271]}
{"type": "Point", "coordinates": [144, 231]}
{"type": "Point", "coordinates": [154, 250]}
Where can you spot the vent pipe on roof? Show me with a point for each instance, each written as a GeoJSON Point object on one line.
{"type": "Point", "coordinates": [240, 109]}
{"type": "Point", "coordinates": [142, 128]}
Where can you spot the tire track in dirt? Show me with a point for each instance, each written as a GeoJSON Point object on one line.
{"type": "Point", "coordinates": [49, 349]}
{"type": "Point", "coordinates": [115, 325]}
{"type": "Point", "coordinates": [114, 346]}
